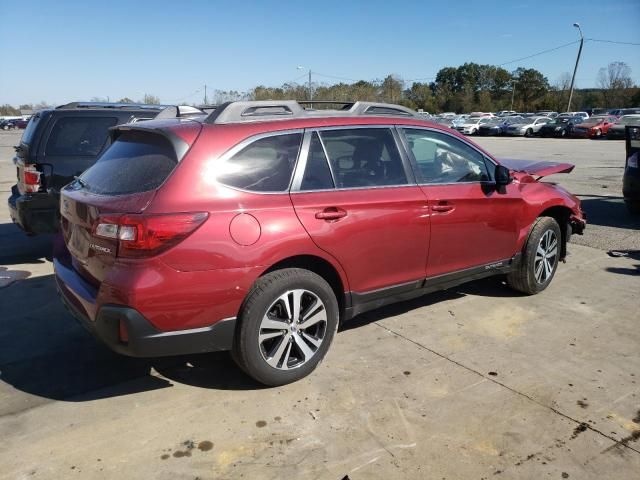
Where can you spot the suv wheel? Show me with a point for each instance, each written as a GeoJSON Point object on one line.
{"type": "Point", "coordinates": [286, 326]}
{"type": "Point", "coordinates": [540, 258]}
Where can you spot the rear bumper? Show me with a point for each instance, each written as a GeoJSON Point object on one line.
{"type": "Point", "coordinates": [34, 213]}
{"type": "Point", "coordinates": [142, 338]}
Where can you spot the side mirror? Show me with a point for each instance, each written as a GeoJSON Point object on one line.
{"type": "Point", "coordinates": [502, 175]}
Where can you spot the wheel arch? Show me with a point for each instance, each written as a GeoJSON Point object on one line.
{"type": "Point", "coordinates": [561, 214]}
{"type": "Point", "coordinates": [321, 267]}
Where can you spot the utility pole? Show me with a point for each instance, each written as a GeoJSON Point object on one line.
{"type": "Point", "coordinates": [573, 78]}
{"type": "Point", "coordinates": [205, 95]}
{"type": "Point", "coordinates": [513, 92]}
{"type": "Point", "coordinates": [300, 67]}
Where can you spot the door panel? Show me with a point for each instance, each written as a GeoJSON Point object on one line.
{"type": "Point", "coordinates": [380, 236]}
{"type": "Point", "coordinates": [477, 227]}
{"type": "Point", "coordinates": [471, 222]}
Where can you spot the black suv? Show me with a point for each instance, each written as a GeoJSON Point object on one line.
{"type": "Point", "coordinates": [57, 145]}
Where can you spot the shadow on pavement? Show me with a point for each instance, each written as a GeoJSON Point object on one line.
{"type": "Point", "coordinates": [488, 287]}
{"type": "Point", "coordinates": [46, 353]}
{"type": "Point", "coordinates": [17, 247]}
{"type": "Point", "coordinates": [632, 254]}
{"type": "Point", "coordinates": [609, 212]}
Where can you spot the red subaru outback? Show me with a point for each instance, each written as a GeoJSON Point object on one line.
{"type": "Point", "coordinates": [261, 227]}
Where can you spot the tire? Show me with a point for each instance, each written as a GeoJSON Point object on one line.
{"type": "Point", "coordinates": [535, 272]}
{"type": "Point", "coordinates": [598, 133]}
{"type": "Point", "coordinates": [528, 133]}
{"type": "Point", "coordinates": [633, 207]}
{"type": "Point", "coordinates": [563, 133]}
{"type": "Point", "coordinates": [268, 346]}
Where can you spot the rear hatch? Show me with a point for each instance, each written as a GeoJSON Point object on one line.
{"type": "Point", "coordinates": [28, 176]}
{"type": "Point", "coordinates": [102, 210]}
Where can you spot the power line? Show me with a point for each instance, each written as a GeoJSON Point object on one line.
{"type": "Point", "coordinates": [335, 77]}
{"type": "Point", "coordinates": [539, 53]}
{"type": "Point", "coordinates": [612, 41]}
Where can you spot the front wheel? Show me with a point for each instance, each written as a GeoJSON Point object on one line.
{"type": "Point", "coordinates": [539, 260]}
{"type": "Point", "coordinates": [528, 133]}
{"type": "Point", "coordinates": [633, 206]}
{"type": "Point", "coordinates": [598, 133]}
{"type": "Point", "coordinates": [286, 326]}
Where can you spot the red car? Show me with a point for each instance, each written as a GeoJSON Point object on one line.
{"type": "Point", "coordinates": [594, 127]}
{"type": "Point", "coordinates": [263, 226]}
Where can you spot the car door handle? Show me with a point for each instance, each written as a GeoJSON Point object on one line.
{"type": "Point", "coordinates": [442, 206]}
{"type": "Point", "coordinates": [331, 213]}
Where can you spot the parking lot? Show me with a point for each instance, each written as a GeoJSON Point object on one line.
{"type": "Point", "coordinates": [475, 382]}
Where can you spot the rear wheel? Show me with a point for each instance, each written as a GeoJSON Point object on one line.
{"type": "Point", "coordinates": [286, 326]}
{"type": "Point", "coordinates": [598, 133]}
{"type": "Point", "coordinates": [540, 258]}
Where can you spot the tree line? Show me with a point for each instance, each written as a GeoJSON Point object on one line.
{"type": "Point", "coordinates": [469, 87]}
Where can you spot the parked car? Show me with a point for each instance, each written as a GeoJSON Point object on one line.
{"type": "Point", "coordinates": [527, 127]}
{"type": "Point", "coordinates": [260, 227]}
{"type": "Point", "coordinates": [560, 127]}
{"type": "Point", "coordinates": [13, 123]}
{"type": "Point", "coordinates": [59, 144]}
{"type": "Point", "coordinates": [547, 113]}
{"type": "Point", "coordinates": [471, 125]}
{"type": "Point", "coordinates": [594, 127]}
{"type": "Point", "coordinates": [631, 177]}
{"type": "Point", "coordinates": [504, 113]}
{"type": "Point", "coordinates": [617, 130]}
{"type": "Point", "coordinates": [584, 115]}
{"type": "Point", "coordinates": [459, 121]}
{"type": "Point", "coordinates": [619, 112]}
{"type": "Point", "coordinates": [497, 126]}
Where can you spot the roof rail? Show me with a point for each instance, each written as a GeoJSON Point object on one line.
{"type": "Point", "coordinates": [73, 105]}
{"type": "Point", "coordinates": [263, 110]}
{"type": "Point", "coordinates": [180, 111]}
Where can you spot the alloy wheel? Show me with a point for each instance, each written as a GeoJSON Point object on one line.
{"type": "Point", "coordinates": [546, 253]}
{"type": "Point", "coordinates": [292, 329]}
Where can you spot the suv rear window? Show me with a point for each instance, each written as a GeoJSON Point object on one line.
{"type": "Point", "coordinates": [27, 136]}
{"type": "Point", "coordinates": [135, 162]}
{"type": "Point", "coordinates": [79, 136]}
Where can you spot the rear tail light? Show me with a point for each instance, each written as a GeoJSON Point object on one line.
{"type": "Point", "coordinates": [30, 178]}
{"type": "Point", "coordinates": [146, 235]}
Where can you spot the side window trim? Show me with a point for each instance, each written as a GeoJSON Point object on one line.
{"type": "Point", "coordinates": [304, 153]}
{"type": "Point", "coordinates": [414, 164]}
{"type": "Point", "coordinates": [254, 138]}
{"type": "Point", "coordinates": [326, 155]}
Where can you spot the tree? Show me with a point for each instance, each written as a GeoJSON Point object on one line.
{"type": "Point", "coordinates": [7, 109]}
{"type": "Point", "coordinates": [125, 100]}
{"type": "Point", "coordinates": [530, 86]}
{"type": "Point", "coordinates": [392, 87]}
{"type": "Point", "coordinates": [614, 80]}
{"type": "Point", "coordinates": [150, 99]}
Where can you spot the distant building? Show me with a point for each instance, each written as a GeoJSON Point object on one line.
{"type": "Point", "coordinates": [26, 113]}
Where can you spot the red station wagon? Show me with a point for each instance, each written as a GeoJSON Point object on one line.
{"type": "Point", "coordinates": [261, 227]}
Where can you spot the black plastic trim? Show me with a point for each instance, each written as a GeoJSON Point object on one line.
{"type": "Point", "coordinates": [144, 340]}
{"type": "Point", "coordinates": [362, 302]}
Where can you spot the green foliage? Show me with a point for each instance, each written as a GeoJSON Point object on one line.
{"type": "Point", "coordinates": [150, 99]}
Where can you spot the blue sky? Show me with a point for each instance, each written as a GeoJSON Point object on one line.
{"type": "Point", "coordinates": [61, 51]}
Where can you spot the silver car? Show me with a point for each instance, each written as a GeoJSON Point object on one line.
{"type": "Point", "coordinates": [528, 127]}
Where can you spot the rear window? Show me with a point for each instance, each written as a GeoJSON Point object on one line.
{"type": "Point", "coordinates": [79, 136]}
{"type": "Point", "coordinates": [27, 135]}
{"type": "Point", "coordinates": [135, 162]}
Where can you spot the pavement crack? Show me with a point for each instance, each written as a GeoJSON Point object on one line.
{"type": "Point", "coordinates": [617, 443]}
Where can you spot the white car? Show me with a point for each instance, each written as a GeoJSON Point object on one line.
{"type": "Point", "coordinates": [527, 127]}
{"type": "Point", "coordinates": [472, 124]}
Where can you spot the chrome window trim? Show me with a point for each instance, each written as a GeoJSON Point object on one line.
{"type": "Point", "coordinates": [347, 189]}
{"type": "Point", "coordinates": [402, 128]}
{"type": "Point", "coordinates": [410, 177]}
{"type": "Point", "coordinates": [326, 157]}
{"type": "Point", "coordinates": [248, 141]}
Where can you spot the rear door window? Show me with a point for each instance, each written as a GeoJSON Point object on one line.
{"type": "Point", "coordinates": [135, 162]}
{"type": "Point", "coordinates": [264, 165]}
{"type": "Point", "coordinates": [79, 136]}
{"type": "Point", "coordinates": [364, 157]}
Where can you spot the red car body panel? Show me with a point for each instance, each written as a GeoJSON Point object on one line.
{"type": "Point", "coordinates": [389, 236]}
